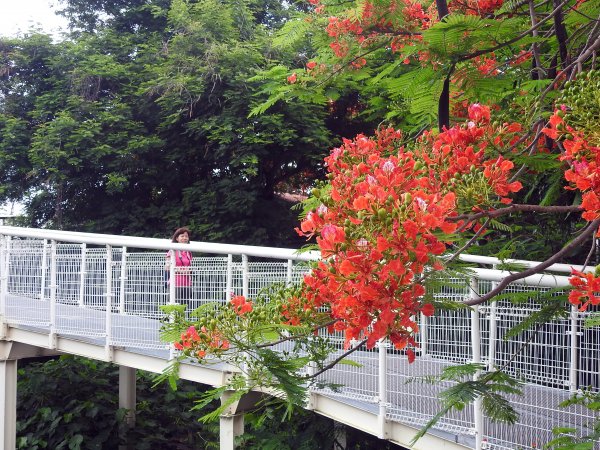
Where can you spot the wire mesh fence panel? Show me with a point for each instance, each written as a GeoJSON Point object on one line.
{"type": "Point", "coordinates": [588, 352]}
{"type": "Point", "coordinates": [539, 354]}
{"type": "Point", "coordinates": [25, 281]}
{"type": "Point", "coordinates": [136, 332]}
{"type": "Point", "coordinates": [299, 269]}
{"type": "Point", "coordinates": [80, 321]}
{"type": "Point", "coordinates": [94, 279]}
{"type": "Point", "coordinates": [357, 377]}
{"type": "Point", "coordinates": [145, 286]}
{"type": "Point", "coordinates": [68, 262]}
{"type": "Point", "coordinates": [413, 395]}
{"type": "Point", "coordinates": [209, 280]}
{"type": "Point", "coordinates": [539, 413]}
{"type": "Point", "coordinates": [85, 284]}
{"type": "Point", "coordinates": [262, 275]}
{"type": "Point", "coordinates": [21, 310]}
{"type": "Point", "coordinates": [26, 262]}
{"type": "Point", "coordinates": [448, 333]}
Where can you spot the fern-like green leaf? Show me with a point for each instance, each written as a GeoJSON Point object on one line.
{"type": "Point", "coordinates": [555, 309]}
{"type": "Point", "coordinates": [217, 394]}
{"type": "Point", "coordinates": [497, 225]}
{"type": "Point", "coordinates": [538, 162]}
{"type": "Point", "coordinates": [260, 109]}
{"type": "Point", "coordinates": [555, 188]}
{"type": "Point", "coordinates": [580, 15]}
{"type": "Point", "coordinates": [291, 32]}
{"type": "Point", "coordinates": [498, 409]}
{"type": "Point", "coordinates": [592, 321]}
{"type": "Point", "coordinates": [350, 362]}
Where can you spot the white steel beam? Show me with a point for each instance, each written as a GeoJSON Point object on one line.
{"type": "Point", "coordinates": [216, 375]}
{"type": "Point", "coordinates": [365, 421]}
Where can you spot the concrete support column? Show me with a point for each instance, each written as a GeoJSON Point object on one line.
{"type": "Point", "coordinates": [232, 418]}
{"type": "Point", "coordinates": [127, 398]}
{"type": "Point", "coordinates": [339, 433]}
{"type": "Point", "coordinates": [231, 425]}
{"type": "Point", "coordinates": [8, 404]}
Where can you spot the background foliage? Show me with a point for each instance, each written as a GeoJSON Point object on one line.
{"type": "Point", "coordinates": [137, 122]}
{"type": "Point", "coordinates": [72, 403]}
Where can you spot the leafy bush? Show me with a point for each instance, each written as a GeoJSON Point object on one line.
{"type": "Point", "coordinates": [72, 403]}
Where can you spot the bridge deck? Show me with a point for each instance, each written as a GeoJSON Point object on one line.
{"type": "Point", "coordinates": [409, 402]}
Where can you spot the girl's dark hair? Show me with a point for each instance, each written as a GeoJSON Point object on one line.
{"type": "Point", "coordinates": [179, 231]}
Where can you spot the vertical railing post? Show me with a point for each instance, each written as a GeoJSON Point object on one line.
{"type": "Point", "coordinates": [245, 275]}
{"type": "Point", "coordinates": [82, 273]}
{"type": "Point", "coordinates": [109, 294]}
{"type": "Point", "coordinates": [53, 287]}
{"type": "Point", "coordinates": [122, 280]}
{"type": "Point", "coordinates": [423, 334]}
{"type": "Point", "coordinates": [382, 389]}
{"type": "Point", "coordinates": [573, 335]}
{"type": "Point", "coordinates": [4, 260]}
{"type": "Point", "coordinates": [172, 286]}
{"type": "Point", "coordinates": [44, 269]}
{"type": "Point", "coordinates": [476, 350]}
{"type": "Point", "coordinates": [493, 324]}
{"type": "Point", "coordinates": [172, 276]}
{"type": "Point", "coordinates": [229, 279]}
{"type": "Point", "coordinates": [288, 275]}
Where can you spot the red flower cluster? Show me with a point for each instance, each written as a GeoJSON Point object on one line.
{"type": "Point", "coordinates": [384, 18]}
{"type": "Point", "coordinates": [487, 65]}
{"type": "Point", "coordinates": [398, 24]}
{"type": "Point", "coordinates": [199, 345]}
{"type": "Point", "coordinates": [388, 216]}
{"type": "Point", "coordinates": [476, 7]}
{"type": "Point", "coordinates": [583, 174]}
{"type": "Point", "coordinates": [586, 285]}
{"type": "Point", "coordinates": [240, 305]}
{"type": "Point", "coordinates": [584, 162]}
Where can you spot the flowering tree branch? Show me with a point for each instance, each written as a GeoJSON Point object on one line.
{"type": "Point", "coordinates": [337, 360]}
{"type": "Point", "coordinates": [578, 241]}
{"type": "Point", "coordinates": [294, 337]}
{"type": "Point", "coordinates": [557, 10]}
{"type": "Point", "coordinates": [552, 209]}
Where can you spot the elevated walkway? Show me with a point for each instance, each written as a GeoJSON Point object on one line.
{"type": "Point", "coordinates": [98, 296]}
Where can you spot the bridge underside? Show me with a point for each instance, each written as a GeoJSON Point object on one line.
{"type": "Point", "coordinates": [28, 342]}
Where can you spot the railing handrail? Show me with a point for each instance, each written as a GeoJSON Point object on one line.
{"type": "Point", "coordinates": [160, 244]}
{"type": "Point", "coordinates": [490, 260]}
{"type": "Point", "coordinates": [539, 280]}
{"type": "Point", "coordinates": [249, 250]}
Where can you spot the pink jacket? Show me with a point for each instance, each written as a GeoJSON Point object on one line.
{"type": "Point", "coordinates": [182, 259]}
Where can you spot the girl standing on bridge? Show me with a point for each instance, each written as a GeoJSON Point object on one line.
{"type": "Point", "coordinates": [183, 261]}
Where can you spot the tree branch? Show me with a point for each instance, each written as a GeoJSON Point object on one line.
{"type": "Point", "coordinates": [295, 336]}
{"type": "Point", "coordinates": [337, 360]}
{"type": "Point", "coordinates": [517, 208]}
{"type": "Point", "coordinates": [516, 38]}
{"type": "Point", "coordinates": [539, 70]}
{"type": "Point", "coordinates": [444, 102]}
{"type": "Point", "coordinates": [469, 242]}
{"type": "Point", "coordinates": [579, 240]}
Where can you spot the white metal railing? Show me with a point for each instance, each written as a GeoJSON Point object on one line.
{"type": "Point", "coordinates": [92, 286]}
